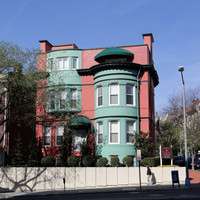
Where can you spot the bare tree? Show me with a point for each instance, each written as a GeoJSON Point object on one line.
{"type": "Point", "coordinates": [174, 109]}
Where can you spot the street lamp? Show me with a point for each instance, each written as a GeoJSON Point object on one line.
{"type": "Point", "coordinates": [187, 180]}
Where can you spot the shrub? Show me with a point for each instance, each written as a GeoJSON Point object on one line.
{"type": "Point", "coordinates": [48, 161]}
{"type": "Point", "coordinates": [72, 161]}
{"type": "Point", "coordinates": [114, 161]}
{"type": "Point", "coordinates": [102, 162]}
{"type": "Point", "coordinates": [33, 163]}
{"type": "Point", "coordinates": [151, 161]}
{"type": "Point", "coordinates": [89, 161]}
{"type": "Point", "coordinates": [128, 161]}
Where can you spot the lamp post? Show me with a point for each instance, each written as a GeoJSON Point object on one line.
{"type": "Point", "coordinates": [187, 180]}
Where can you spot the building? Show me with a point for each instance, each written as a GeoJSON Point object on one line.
{"type": "Point", "coordinates": [108, 92]}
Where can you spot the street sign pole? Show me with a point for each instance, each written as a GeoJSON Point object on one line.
{"type": "Point", "coordinates": [139, 159]}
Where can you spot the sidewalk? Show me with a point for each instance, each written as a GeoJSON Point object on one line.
{"type": "Point", "coordinates": [94, 190]}
{"type": "Point", "coordinates": [194, 176]}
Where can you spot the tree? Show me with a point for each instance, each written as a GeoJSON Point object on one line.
{"type": "Point", "coordinates": [86, 146]}
{"type": "Point", "coordinates": [17, 156]}
{"type": "Point", "coordinates": [175, 109]}
{"type": "Point", "coordinates": [18, 85]}
{"type": "Point", "coordinates": [168, 135]}
{"type": "Point", "coordinates": [35, 152]}
{"type": "Point", "coordinates": [144, 142]}
{"type": "Point", "coordinates": [65, 147]}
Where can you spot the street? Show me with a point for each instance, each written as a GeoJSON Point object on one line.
{"type": "Point", "coordinates": [125, 195]}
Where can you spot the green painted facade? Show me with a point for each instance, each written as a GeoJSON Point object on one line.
{"type": "Point", "coordinates": [64, 79]}
{"type": "Point", "coordinates": [122, 113]}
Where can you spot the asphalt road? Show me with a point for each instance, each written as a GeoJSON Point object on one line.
{"type": "Point", "coordinates": [125, 195]}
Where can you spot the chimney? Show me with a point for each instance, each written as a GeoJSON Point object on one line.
{"type": "Point", "coordinates": [45, 45]}
{"type": "Point", "coordinates": [148, 39]}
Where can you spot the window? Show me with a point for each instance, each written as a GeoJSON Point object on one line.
{"type": "Point", "coordinates": [74, 63]}
{"type": "Point", "coordinates": [51, 65]}
{"type": "Point", "coordinates": [114, 94]}
{"type": "Point", "coordinates": [51, 100]}
{"type": "Point", "coordinates": [130, 131]}
{"type": "Point", "coordinates": [77, 140]}
{"type": "Point", "coordinates": [99, 96]}
{"type": "Point", "coordinates": [114, 132]}
{"type": "Point", "coordinates": [100, 133]}
{"type": "Point", "coordinates": [47, 136]}
{"type": "Point", "coordinates": [73, 98]}
{"type": "Point", "coordinates": [62, 99]}
{"type": "Point", "coordinates": [59, 134]}
{"type": "Point", "coordinates": [62, 63]}
{"type": "Point", "coordinates": [130, 91]}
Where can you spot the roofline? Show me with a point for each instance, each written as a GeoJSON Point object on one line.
{"type": "Point", "coordinates": [93, 48]}
{"type": "Point", "coordinates": [105, 66]}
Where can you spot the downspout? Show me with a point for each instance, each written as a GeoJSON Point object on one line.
{"type": "Point", "coordinates": [138, 110]}
{"type": "Point", "coordinates": [138, 99]}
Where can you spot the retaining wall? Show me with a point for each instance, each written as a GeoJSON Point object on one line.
{"type": "Point", "coordinates": [51, 178]}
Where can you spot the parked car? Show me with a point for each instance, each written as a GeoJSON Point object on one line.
{"type": "Point", "coordinates": [179, 160]}
{"type": "Point", "coordinates": [196, 161]}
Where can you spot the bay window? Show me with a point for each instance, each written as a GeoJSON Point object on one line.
{"type": "Point", "coordinates": [99, 96]}
{"type": "Point", "coordinates": [73, 98]}
{"type": "Point", "coordinates": [130, 94]}
{"type": "Point", "coordinates": [74, 63]}
{"type": "Point", "coordinates": [130, 131]}
{"type": "Point", "coordinates": [114, 94]}
{"type": "Point", "coordinates": [62, 63]}
{"type": "Point", "coordinates": [100, 133]}
{"type": "Point", "coordinates": [62, 99]}
{"type": "Point", "coordinates": [114, 132]}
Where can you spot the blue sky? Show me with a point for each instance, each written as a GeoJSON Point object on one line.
{"type": "Point", "coordinates": [175, 25]}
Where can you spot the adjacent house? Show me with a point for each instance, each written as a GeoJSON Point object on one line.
{"type": "Point", "coordinates": [106, 92]}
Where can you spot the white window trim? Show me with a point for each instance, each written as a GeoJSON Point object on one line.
{"type": "Point", "coordinates": [56, 144]}
{"type": "Point", "coordinates": [74, 99]}
{"type": "Point", "coordinates": [98, 132]}
{"type": "Point", "coordinates": [72, 63]}
{"type": "Point", "coordinates": [118, 131]}
{"type": "Point", "coordinates": [44, 136]}
{"type": "Point", "coordinates": [60, 99]}
{"type": "Point", "coordinates": [97, 100]}
{"type": "Point", "coordinates": [49, 100]}
{"type": "Point", "coordinates": [133, 88]}
{"type": "Point", "coordinates": [117, 94]}
{"type": "Point", "coordinates": [67, 58]}
{"type": "Point", "coordinates": [134, 130]}
{"type": "Point", "coordinates": [49, 65]}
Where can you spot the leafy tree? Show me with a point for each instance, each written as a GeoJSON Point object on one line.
{"type": "Point", "coordinates": [19, 81]}
{"type": "Point", "coordinates": [168, 135]}
{"type": "Point", "coordinates": [65, 147]}
{"type": "Point", "coordinates": [35, 153]}
{"type": "Point", "coordinates": [144, 142]}
{"type": "Point", "coordinates": [86, 146]}
{"type": "Point", "coordinates": [17, 156]}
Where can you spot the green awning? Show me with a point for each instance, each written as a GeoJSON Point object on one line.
{"type": "Point", "coordinates": [79, 120]}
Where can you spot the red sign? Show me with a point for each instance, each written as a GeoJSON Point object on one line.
{"type": "Point", "coordinates": [167, 152]}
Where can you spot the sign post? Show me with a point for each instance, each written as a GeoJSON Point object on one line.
{"type": "Point", "coordinates": [139, 157]}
